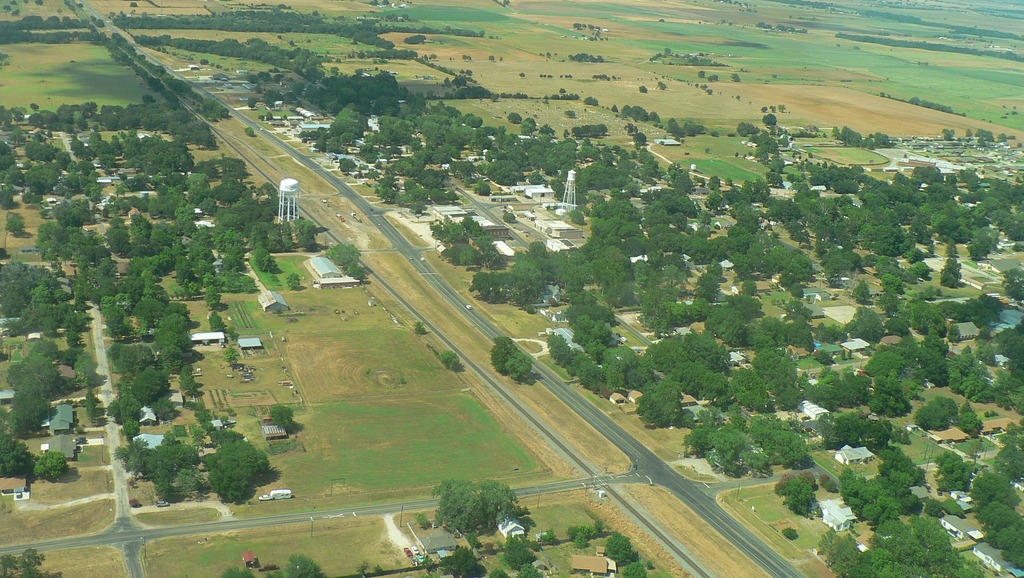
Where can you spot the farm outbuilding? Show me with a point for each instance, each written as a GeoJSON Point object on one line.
{"type": "Point", "coordinates": [273, 302]}
{"type": "Point", "coordinates": [209, 338]}
{"type": "Point", "coordinates": [273, 432]}
{"type": "Point", "coordinates": [323, 268]}
{"type": "Point", "coordinates": [250, 343]}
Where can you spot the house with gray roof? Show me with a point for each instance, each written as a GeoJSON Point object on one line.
{"type": "Point", "coordinates": [836, 515]}
{"type": "Point", "coordinates": [272, 301]}
{"type": "Point", "coordinates": [960, 529]}
{"type": "Point", "coordinates": [966, 330]}
{"type": "Point", "coordinates": [849, 455]}
{"type": "Point", "coordinates": [62, 420]}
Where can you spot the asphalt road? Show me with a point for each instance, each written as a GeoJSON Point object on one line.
{"type": "Point", "coordinates": [131, 537]}
{"type": "Point", "coordinates": [645, 462]}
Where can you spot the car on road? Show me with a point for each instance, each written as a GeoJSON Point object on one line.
{"type": "Point", "coordinates": [423, 258]}
{"type": "Point", "coordinates": [162, 504]}
{"type": "Point", "coordinates": [468, 306]}
{"type": "Point", "coordinates": [324, 201]}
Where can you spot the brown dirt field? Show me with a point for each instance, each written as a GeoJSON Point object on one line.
{"type": "Point", "coordinates": [27, 527]}
{"type": "Point", "coordinates": [85, 563]}
{"type": "Point", "coordinates": [78, 483]}
{"type": "Point", "coordinates": [836, 106]}
{"type": "Point", "coordinates": [714, 552]}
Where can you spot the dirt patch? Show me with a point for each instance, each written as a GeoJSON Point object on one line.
{"type": "Point", "coordinates": [714, 552]}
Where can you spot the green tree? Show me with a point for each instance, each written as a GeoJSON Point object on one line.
{"type": "Point", "coordinates": [509, 360]}
{"type": "Point", "coordinates": [634, 570]}
{"type": "Point", "coordinates": [462, 563]}
{"type": "Point", "coordinates": [862, 293]}
{"type": "Point", "coordinates": [473, 507]}
{"type": "Point", "coordinates": [1013, 283]}
{"type": "Point", "coordinates": [950, 274]}
{"type": "Point", "coordinates": [233, 469]}
{"type": "Point", "coordinates": [517, 553]}
{"type": "Point", "coordinates": [15, 225]}
{"type": "Point", "coordinates": [15, 459]}
{"type": "Point", "coordinates": [797, 494]}
{"type": "Point", "coordinates": [450, 360]}
{"type": "Point", "coordinates": [51, 465]}
{"type": "Point", "coordinates": [953, 472]}
{"type": "Point", "coordinates": [937, 414]}
{"type": "Point", "coordinates": [620, 549]}
{"type": "Point", "coordinates": [284, 416]}
{"type": "Point", "coordinates": [300, 566]}
{"type": "Point", "coordinates": [294, 281]}
{"type": "Point", "coordinates": [529, 571]}
{"type": "Point", "coordinates": [25, 565]}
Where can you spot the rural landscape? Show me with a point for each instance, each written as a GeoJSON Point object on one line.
{"type": "Point", "coordinates": [511, 288]}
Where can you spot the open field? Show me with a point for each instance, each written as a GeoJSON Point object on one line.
{"type": "Point", "coordinates": [176, 517]}
{"type": "Point", "coordinates": [338, 545]}
{"type": "Point", "coordinates": [94, 562]}
{"type": "Point", "coordinates": [155, 7]}
{"type": "Point", "coordinates": [77, 483]}
{"type": "Point", "coordinates": [764, 513]}
{"type": "Point", "coordinates": [27, 527]}
{"type": "Point", "coordinates": [51, 75]}
{"type": "Point", "coordinates": [339, 352]}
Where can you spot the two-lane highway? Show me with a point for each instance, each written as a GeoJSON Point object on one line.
{"type": "Point", "coordinates": [645, 462]}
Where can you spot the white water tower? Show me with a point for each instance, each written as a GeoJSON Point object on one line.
{"type": "Point", "coordinates": [288, 201]}
{"type": "Point", "coordinates": [569, 196]}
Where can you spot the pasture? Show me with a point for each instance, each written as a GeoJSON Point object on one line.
{"type": "Point", "coordinates": [89, 562]}
{"type": "Point", "coordinates": [51, 75]}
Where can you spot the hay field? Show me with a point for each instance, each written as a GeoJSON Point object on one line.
{"type": "Point", "coordinates": [51, 75]}
{"type": "Point", "coordinates": [155, 7]}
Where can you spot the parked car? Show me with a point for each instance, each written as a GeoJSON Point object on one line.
{"type": "Point", "coordinates": [162, 504]}
{"type": "Point", "coordinates": [81, 441]}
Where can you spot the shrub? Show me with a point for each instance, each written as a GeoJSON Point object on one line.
{"type": "Point", "coordinates": [790, 533]}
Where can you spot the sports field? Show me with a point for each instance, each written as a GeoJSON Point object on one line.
{"type": "Point", "coordinates": [51, 75]}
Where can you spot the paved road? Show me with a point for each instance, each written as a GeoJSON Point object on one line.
{"type": "Point", "coordinates": [133, 538]}
{"type": "Point", "coordinates": [645, 461]}
{"type": "Point", "coordinates": [123, 521]}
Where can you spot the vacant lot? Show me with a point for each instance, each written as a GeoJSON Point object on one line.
{"type": "Point", "coordinates": [338, 545]}
{"type": "Point", "coordinates": [94, 562]}
{"type": "Point", "coordinates": [26, 527]}
{"type": "Point", "coordinates": [51, 75]}
{"type": "Point", "coordinates": [373, 422]}
{"type": "Point", "coordinates": [77, 483]}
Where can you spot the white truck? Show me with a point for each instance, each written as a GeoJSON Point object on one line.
{"type": "Point", "coordinates": [281, 494]}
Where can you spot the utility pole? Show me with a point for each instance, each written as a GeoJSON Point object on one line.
{"type": "Point", "coordinates": [311, 526]}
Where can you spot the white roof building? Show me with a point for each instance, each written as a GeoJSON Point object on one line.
{"type": "Point", "coordinates": [812, 410]}
{"type": "Point", "coordinates": [849, 455]}
{"type": "Point", "coordinates": [323, 268]}
{"type": "Point", "coordinates": [511, 527]}
{"type": "Point", "coordinates": [836, 515]}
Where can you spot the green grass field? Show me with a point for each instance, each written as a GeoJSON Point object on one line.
{"type": "Point", "coordinates": [846, 155]}
{"type": "Point", "coordinates": [287, 265]}
{"type": "Point", "coordinates": [51, 75]}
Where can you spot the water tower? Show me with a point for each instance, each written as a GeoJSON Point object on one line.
{"type": "Point", "coordinates": [288, 201]}
{"type": "Point", "coordinates": [569, 196]}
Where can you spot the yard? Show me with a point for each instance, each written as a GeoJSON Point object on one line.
{"type": "Point", "coordinates": [18, 527]}
{"type": "Point", "coordinates": [93, 562]}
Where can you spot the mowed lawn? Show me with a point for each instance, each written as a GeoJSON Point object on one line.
{"type": "Point", "coordinates": [401, 442]}
{"type": "Point", "coordinates": [51, 75]}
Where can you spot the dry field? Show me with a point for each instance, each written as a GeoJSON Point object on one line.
{"type": "Point", "coordinates": [51, 75]}
{"type": "Point", "coordinates": [338, 545]}
{"type": "Point", "coordinates": [154, 7]}
{"type": "Point", "coordinates": [77, 483]}
{"type": "Point", "coordinates": [96, 562]}
{"type": "Point", "coordinates": [28, 527]}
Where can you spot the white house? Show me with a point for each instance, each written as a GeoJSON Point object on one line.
{"type": "Point", "coordinates": [148, 416]}
{"type": "Point", "coordinates": [812, 410]}
{"type": "Point", "coordinates": [511, 527]}
{"type": "Point", "coordinates": [991, 557]}
{"type": "Point", "coordinates": [836, 515]}
{"type": "Point", "coordinates": [848, 455]}
{"type": "Point", "coordinates": [960, 529]}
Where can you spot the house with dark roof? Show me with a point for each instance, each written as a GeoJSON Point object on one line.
{"type": "Point", "coordinates": [966, 330]}
{"type": "Point", "coordinates": [63, 444]}
{"type": "Point", "coordinates": [62, 420]}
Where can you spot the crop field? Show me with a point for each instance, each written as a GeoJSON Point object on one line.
{"type": "Point", "coordinates": [155, 7]}
{"type": "Point", "coordinates": [50, 75]}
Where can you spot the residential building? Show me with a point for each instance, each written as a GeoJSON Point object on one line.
{"type": "Point", "coordinates": [812, 410]}
{"type": "Point", "coordinates": [6, 396]}
{"type": "Point", "coordinates": [991, 558]}
{"type": "Point", "coordinates": [62, 420]}
{"type": "Point", "coordinates": [836, 515]}
{"type": "Point", "coordinates": [849, 455]}
{"type": "Point", "coordinates": [511, 527]}
{"type": "Point", "coordinates": [617, 398]}
{"type": "Point", "coordinates": [151, 440]}
{"type": "Point", "coordinates": [63, 444]}
{"type": "Point", "coordinates": [855, 345]}
{"type": "Point", "coordinates": [949, 436]}
{"type": "Point", "coordinates": [596, 565]}
{"type": "Point", "coordinates": [966, 330]}
{"type": "Point", "coordinates": [960, 529]}
{"type": "Point", "coordinates": [148, 416]}
{"type": "Point", "coordinates": [634, 396]}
